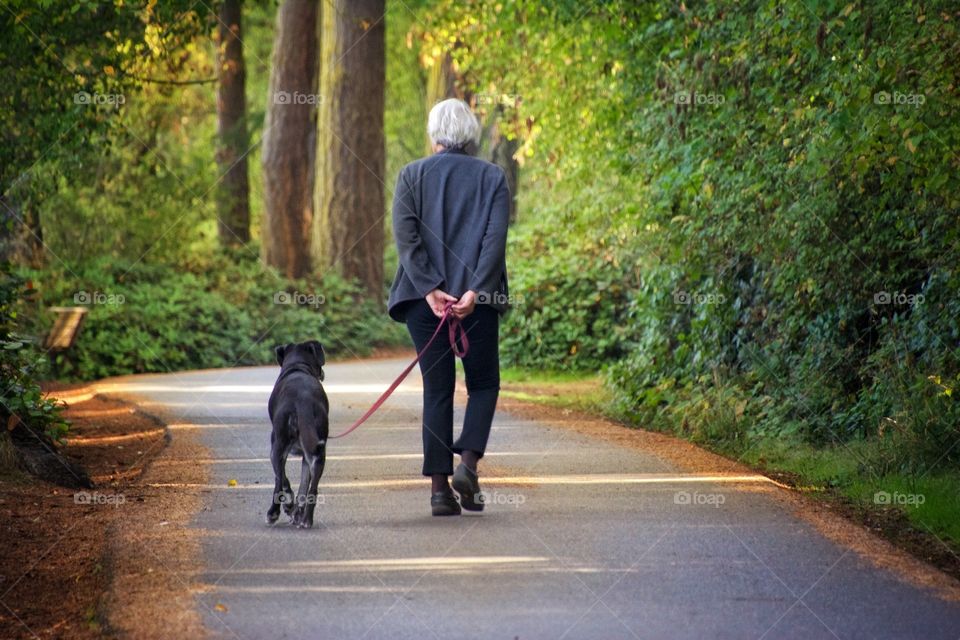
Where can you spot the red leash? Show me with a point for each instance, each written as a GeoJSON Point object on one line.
{"type": "Point", "coordinates": [453, 325]}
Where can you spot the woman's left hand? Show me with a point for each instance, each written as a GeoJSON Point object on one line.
{"type": "Point", "coordinates": [465, 305]}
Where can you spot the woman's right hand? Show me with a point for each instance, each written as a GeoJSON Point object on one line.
{"type": "Point", "coordinates": [437, 300]}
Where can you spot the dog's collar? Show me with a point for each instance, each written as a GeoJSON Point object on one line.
{"type": "Point", "coordinates": [298, 368]}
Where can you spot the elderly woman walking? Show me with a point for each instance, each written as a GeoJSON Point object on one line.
{"type": "Point", "coordinates": [450, 216]}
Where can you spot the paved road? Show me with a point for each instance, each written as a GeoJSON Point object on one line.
{"type": "Point", "coordinates": [582, 539]}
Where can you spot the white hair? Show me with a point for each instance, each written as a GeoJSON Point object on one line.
{"type": "Point", "coordinates": [452, 124]}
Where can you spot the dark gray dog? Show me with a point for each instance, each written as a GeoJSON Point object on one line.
{"type": "Point", "coordinates": [299, 411]}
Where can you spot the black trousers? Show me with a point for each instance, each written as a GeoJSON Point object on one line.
{"type": "Point", "coordinates": [438, 368]}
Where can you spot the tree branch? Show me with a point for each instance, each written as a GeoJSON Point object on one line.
{"type": "Point", "coordinates": [177, 82]}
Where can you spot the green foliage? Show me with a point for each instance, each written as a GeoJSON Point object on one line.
{"type": "Point", "coordinates": [20, 364]}
{"type": "Point", "coordinates": [69, 66]}
{"type": "Point", "coordinates": [761, 199]}
{"type": "Point", "coordinates": [211, 312]}
{"type": "Point", "coordinates": [561, 322]}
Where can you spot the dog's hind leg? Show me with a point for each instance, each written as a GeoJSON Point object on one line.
{"type": "Point", "coordinates": [282, 494]}
{"type": "Point", "coordinates": [314, 455]}
{"type": "Point", "coordinates": [314, 467]}
{"type": "Point", "coordinates": [302, 490]}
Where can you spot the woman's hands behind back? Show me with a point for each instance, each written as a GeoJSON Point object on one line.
{"type": "Point", "coordinates": [437, 300]}
{"type": "Point", "coordinates": [463, 307]}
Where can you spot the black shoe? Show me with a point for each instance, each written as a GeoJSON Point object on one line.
{"type": "Point", "coordinates": [444, 503]}
{"type": "Point", "coordinates": [467, 484]}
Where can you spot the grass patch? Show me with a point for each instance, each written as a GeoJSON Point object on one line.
{"type": "Point", "coordinates": [930, 501]}
{"type": "Point", "coordinates": [533, 376]}
{"type": "Point", "coordinates": [829, 467]}
{"type": "Point", "coordinates": [563, 389]}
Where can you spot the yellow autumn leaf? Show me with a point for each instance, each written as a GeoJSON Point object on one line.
{"type": "Point", "coordinates": [912, 147]}
{"type": "Point", "coordinates": [232, 482]}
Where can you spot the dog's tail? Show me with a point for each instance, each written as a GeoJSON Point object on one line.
{"type": "Point", "coordinates": [306, 419]}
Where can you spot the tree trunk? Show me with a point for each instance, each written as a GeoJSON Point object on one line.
{"type": "Point", "coordinates": [441, 84]}
{"type": "Point", "coordinates": [233, 205]}
{"type": "Point", "coordinates": [21, 234]}
{"type": "Point", "coordinates": [502, 150]}
{"type": "Point", "coordinates": [348, 233]}
{"type": "Point", "coordinates": [289, 139]}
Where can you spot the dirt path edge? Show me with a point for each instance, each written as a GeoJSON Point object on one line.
{"type": "Point", "coordinates": [153, 555]}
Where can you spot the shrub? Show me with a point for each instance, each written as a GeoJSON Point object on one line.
{"type": "Point", "coordinates": [20, 363]}
{"type": "Point", "coordinates": [217, 311]}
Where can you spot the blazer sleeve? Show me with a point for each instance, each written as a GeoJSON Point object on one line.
{"type": "Point", "coordinates": [406, 231]}
{"type": "Point", "coordinates": [493, 247]}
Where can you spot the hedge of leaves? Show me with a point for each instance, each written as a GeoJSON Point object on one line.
{"type": "Point", "coordinates": [218, 311]}
{"type": "Point", "coordinates": [745, 213]}
{"type": "Point", "coordinates": [21, 364]}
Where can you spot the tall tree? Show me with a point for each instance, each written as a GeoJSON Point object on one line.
{"type": "Point", "coordinates": [233, 204]}
{"type": "Point", "coordinates": [502, 151]}
{"type": "Point", "coordinates": [289, 139]}
{"type": "Point", "coordinates": [21, 235]}
{"type": "Point", "coordinates": [348, 233]}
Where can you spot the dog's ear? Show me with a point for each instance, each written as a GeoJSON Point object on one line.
{"type": "Point", "coordinates": [280, 349]}
{"type": "Point", "coordinates": [318, 353]}
{"type": "Point", "coordinates": [317, 349]}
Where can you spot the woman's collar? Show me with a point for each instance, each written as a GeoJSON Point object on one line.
{"type": "Point", "coordinates": [460, 150]}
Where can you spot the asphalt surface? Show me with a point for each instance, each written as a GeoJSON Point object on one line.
{"type": "Point", "coordinates": [581, 538]}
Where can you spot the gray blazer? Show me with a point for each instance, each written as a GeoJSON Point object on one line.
{"type": "Point", "coordinates": [450, 217]}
